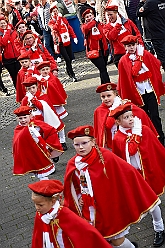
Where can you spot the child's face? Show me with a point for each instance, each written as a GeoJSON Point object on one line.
{"type": "Point", "coordinates": [107, 97]}
{"type": "Point", "coordinates": [24, 119]}
{"type": "Point", "coordinates": [25, 63]}
{"type": "Point", "coordinates": [45, 71]}
{"type": "Point", "coordinates": [83, 145]}
{"type": "Point", "coordinates": [42, 204]}
{"type": "Point", "coordinates": [126, 120]}
{"type": "Point", "coordinates": [32, 89]}
{"type": "Point", "coordinates": [21, 28]}
{"type": "Point", "coordinates": [112, 16]}
{"type": "Point", "coordinates": [131, 48]}
{"type": "Point", "coordinates": [89, 17]}
{"type": "Point", "coordinates": [54, 12]}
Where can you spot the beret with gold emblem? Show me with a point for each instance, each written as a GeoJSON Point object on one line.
{"type": "Point", "coordinates": [106, 87]}
{"type": "Point", "coordinates": [81, 131]}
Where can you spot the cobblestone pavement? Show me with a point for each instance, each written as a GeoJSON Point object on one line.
{"type": "Point", "coordinates": [16, 208]}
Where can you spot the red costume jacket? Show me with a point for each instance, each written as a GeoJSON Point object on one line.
{"type": "Point", "coordinates": [54, 89]}
{"type": "Point", "coordinates": [126, 82]}
{"type": "Point", "coordinates": [46, 117]}
{"type": "Point", "coordinates": [7, 43]}
{"type": "Point", "coordinates": [103, 123]}
{"type": "Point", "coordinates": [40, 51]}
{"type": "Point", "coordinates": [58, 27]}
{"type": "Point", "coordinates": [28, 155]}
{"type": "Point", "coordinates": [112, 34]}
{"type": "Point", "coordinates": [76, 232]}
{"type": "Point", "coordinates": [93, 41]}
{"type": "Point", "coordinates": [21, 76]}
{"type": "Point", "coordinates": [151, 153]}
{"type": "Point", "coordinates": [116, 204]}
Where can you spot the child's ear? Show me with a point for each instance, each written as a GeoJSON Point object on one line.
{"type": "Point", "coordinates": [117, 122]}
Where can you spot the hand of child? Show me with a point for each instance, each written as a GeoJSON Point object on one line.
{"type": "Point", "coordinates": [29, 95]}
{"type": "Point", "coordinates": [140, 50]}
{"type": "Point", "coordinates": [137, 128]}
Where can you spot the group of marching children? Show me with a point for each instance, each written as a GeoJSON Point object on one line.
{"type": "Point", "coordinates": [42, 98]}
{"type": "Point", "coordinates": [117, 174]}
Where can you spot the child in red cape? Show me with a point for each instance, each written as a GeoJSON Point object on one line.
{"type": "Point", "coordinates": [55, 225]}
{"type": "Point", "coordinates": [51, 85]}
{"type": "Point", "coordinates": [96, 188]}
{"type": "Point", "coordinates": [140, 80]}
{"type": "Point", "coordinates": [136, 144]}
{"type": "Point", "coordinates": [34, 144]}
{"type": "Point", "coordinates": [26, 70]}
{"type": "Point", "coordinates": [104, 124]}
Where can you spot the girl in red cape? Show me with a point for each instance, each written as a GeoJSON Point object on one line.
{"type": "Point", "coordinates": [101, 188]}
{"type": "Point", "coordinates": [136, 144]}
{"type": "Point", "coordinates": [55, 225]}
{"type": "Point", "coordinates": [34, 144]}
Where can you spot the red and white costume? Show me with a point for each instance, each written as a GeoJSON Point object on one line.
{"type": "Point", "coordinates": [109, 181]}
{"type": "Point", "coordinates": [52, 86]}
{"type": "Point", "coordinates": [40, 141]}
{"type": "Point", "coordinates": [61, 228]}
{"type": "Point", "coordinates": [130, 77]}
{"type": "Point", "coordinates": [23, 74]}
{"type": "Point", "coordinates": [39, 54]}
{"type": "Point", "coordinates": [61, 30]}
{"type": "Point", "coordinates": [105, 127]}
{"type": "Point", "coordinates": [145, 153]}
{"type": "Point", "coordinates": [42, 109]}
{"type": "Point", "coordinates": [115, 32]}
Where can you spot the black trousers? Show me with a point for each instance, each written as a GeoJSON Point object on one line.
{"type": "Point", "coordinates": [67, 54]}
{"type": "Point", "coordinates": [101, 64]}
{"type": "Point", "coordinates": [117, 57]}
{"type": "Point", "coordinates": [159, 46]}
{"type": "Point", "coordinates": [13, 69]}
{"type": "Point", "coordinates": [151, 108]}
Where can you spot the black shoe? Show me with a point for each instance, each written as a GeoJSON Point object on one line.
{"type": "Point", "coordinates": [135, 244]}
{"type": "Point", "coordinates": [158, 239]}
{"type": "Point", "coordinates": [64, 146]}
{"type": "Point", "coordinates": [55, 160]}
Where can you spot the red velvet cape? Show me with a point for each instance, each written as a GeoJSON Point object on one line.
{"type": "Point", "coordinates": [45, 98]}
{"type": "Point", "coordinates": [103, 123]}
{"type": "Point", "coordinates": [121, 194]}
{"type": "Point", "coordinates": [80, 233]}
{"type": "Point", "coordinates": [28, 156]}
{"type": "Point", "coordinates": [55, 91]}
{"type": "Point", "coordinates": [152, 156]}
{"type": "Point", "coordinates": [126, 86]}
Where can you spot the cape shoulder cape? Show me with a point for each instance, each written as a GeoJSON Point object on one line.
{"type": "Point", "coordinates": [115, 185]}
{"type": "Point", "coordinates": [80, 233]}
{"type": "Point", "coordinates": [126, 85]}
{"type": "Point", "coordinates": [152, 157]}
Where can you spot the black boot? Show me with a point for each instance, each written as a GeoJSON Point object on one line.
{"type": "Point", "coordinates": [158, 239]}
